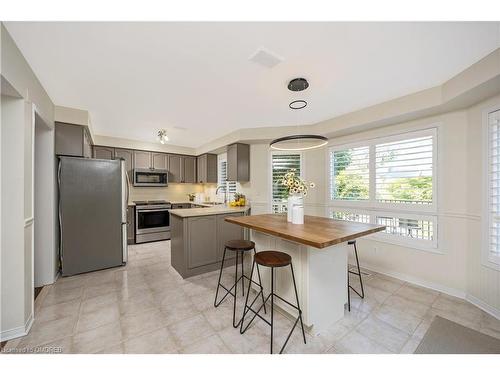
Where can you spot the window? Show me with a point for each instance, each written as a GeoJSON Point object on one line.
{"type": "Point", "coordinates": [388, 181]}
{"type": "Point", "coordinates": [403, 171]}
{"type": "Point", "coordinates": [281, 163]}
{"type": "Point", "coordinates": [493, 186]}
{"type": "Point", "coordinates": [227, 186]}
{"type": "Point", "coordinates": [349, 174]}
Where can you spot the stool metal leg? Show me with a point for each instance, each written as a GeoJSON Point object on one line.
{"type": "Point", "coordinates": [235, 290]}
{"type": "Point", "coordinates": [272, 306]}
{"type": "Point", "coordinates": [298, 305]}
{"type": "Point", "coordinates": [242, 273]}
{"type": "Point", "coordinates": [260, 283]}
{"type": "Point", "coordinates": [362, 294]}
{"type": "Point", "coordinates": [218, 283]}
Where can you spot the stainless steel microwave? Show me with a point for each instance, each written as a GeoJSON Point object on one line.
{"type": "Point", "coordinates": [150, 177]}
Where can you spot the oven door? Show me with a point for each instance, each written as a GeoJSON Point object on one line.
{"type": "Point", "coordinates": [152, 220]}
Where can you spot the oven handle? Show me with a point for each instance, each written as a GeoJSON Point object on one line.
{"type": "Point", "coordinates": [152, 210]}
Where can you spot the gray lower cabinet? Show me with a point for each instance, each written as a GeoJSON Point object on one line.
{"type": "Point", "coordinates": [131, 224]}
{"type": "Point", "coordinates": [197, 243]}
{"type": "Point", "coordinates": [180, 205]}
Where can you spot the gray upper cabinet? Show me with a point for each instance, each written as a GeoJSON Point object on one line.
{"type": "Point", "coordinates": [189, 169]}
{"type": "Point", "coordinates": [72, 140]}
{"type": "Point", "coordinates": [175, 168]}
{"type": "Point", "coordinates": [159, 160]}
{"type": "Point", "coordinates": [238, 162]}
{"type": "Point", "coordinates": [142, 159]}
{"type": "Point", "coordinates": [101, 152]}
{"type": "Point", "coordinates": [207, 168]}
{"type": "Point", "coordinates": [128, 156]}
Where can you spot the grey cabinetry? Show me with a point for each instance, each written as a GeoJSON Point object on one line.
{"type": "Point", "coordinates": [227, 231]}
{"type": "Point", "coordinates": [72, 140]}
{"type": "Point", "coordinates": [189, 175]}
{"type": "Point", "coordinates": [130, 224]}
{"type": "Point", "coordinates": [180, 205]}
{"type": "Point", "coordinates": [128, 156]}
{"type": "Point", "coordinates": [142, 159]}
{"type": "Point", "coordinates": [207, 168]}
{"type": "Point", "coordinates": [202, 241]}
{"type": "Point", "coordinates": [175, 168]}
{"type": "Point", "coordinates": [197, 243]}
{"type": "Point", "coordinates": [238, 162]}
{"type": "Point", "coordinates": [159, 161]}
{"type": "Point", "coordinates": [101, 152]}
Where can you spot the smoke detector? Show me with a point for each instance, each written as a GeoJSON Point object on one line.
{"type": "Point", "coordinates": [265, 58]}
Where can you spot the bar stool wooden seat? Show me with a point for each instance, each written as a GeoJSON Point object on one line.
{"type": "Point", "coordinates": [240, 247]}
{"type": "Point", "coordinates": [358, 273]}
{"type": "Point", "coordinates": [271, 259]}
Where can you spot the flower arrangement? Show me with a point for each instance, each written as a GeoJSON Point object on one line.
{"type": "Point", "coordinates": [295, 184]}
{"type": "Point", "coordinates": [191, 196]}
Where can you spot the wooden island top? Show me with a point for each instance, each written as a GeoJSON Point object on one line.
{"type": "Point", "coordinates": [318, 232]}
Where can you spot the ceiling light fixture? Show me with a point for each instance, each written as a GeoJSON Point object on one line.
{"type": "Point", "coordinates": [298, 142]}
{"type": "Point", "coordinates": [162, 136]}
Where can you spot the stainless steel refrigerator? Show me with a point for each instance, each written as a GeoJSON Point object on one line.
{"type": "Point", "coordinates": [93, 197]}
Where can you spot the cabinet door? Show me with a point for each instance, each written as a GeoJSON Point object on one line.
{"type": "Point", "coordinates": [232, 162]}
{"type": "Point", "coordinates": [130, 224]}
{"type": "Point", "coordinates": [68, 139]}
{"type": "Point", "coordinates": [202, 241]}
{"type": "Point", "coordinates": [160, 161]}
{"type": "Point", "coordinates": [211, 168]}
{"type": "Point", "coordinates": [101, 152]}
{"type": "Point", "coordinates": [142, 159]}
{"type": "Point", "coordinates": [225, 232]}
{"type": "Point", "coordinates": [202, 169]}
{"type": "Point", "coordinates": [175, 168]}
{"type": "Point", "coordinates": [189, 169]}
{"type": "Point", "coordinates": [128, 155]}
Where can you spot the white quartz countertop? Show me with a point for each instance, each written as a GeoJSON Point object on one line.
{"type": "Point", "coordinates": [206, 211]}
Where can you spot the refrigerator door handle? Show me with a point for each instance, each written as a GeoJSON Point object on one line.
{"type": "Point", "coordinates": [59, 211]}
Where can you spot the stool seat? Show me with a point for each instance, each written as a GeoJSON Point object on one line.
{"type": "Point", "coordinates": [273, 259]}
{"type": "Point", "coordinates": [240, 245]}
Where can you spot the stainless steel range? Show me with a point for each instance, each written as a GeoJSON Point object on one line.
{"type": "Point", "coordinates": [152, 221]}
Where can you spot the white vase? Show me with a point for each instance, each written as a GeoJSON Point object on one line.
{"type": "Point", "coordinates": [292, 200]}
{"type": "Point", "coordinates": [298, 214]}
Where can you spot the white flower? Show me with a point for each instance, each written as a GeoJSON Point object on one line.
{"type": "Point", "coordinates": [312, 185]}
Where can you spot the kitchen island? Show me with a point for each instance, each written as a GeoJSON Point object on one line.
{"type": "Point", "coordinates": [198, 236]}
{"type": "Point", "coordinates": [319, 254]}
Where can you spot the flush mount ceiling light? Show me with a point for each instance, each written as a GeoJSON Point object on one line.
{"type": "Point", "coordinates": [299, 142]}
{"type": "Point", "coordinates": [162, 136]}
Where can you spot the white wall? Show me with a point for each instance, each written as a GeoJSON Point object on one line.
{"type": "Point", "coordinates": [13, 263]}
{"type": "Point", "coordinates": [16, 171]}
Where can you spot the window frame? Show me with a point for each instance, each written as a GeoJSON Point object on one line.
{"type": "Point", "coordinates": [371, 203]}
{"type": "Point", "coordinates": [487, 258]}
{"type": "Point", "coordinates": [270, 176]}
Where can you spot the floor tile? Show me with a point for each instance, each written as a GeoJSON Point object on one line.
{"type": "Point", "coordinates": [98, 317]}
{"type": "Point", "coordinates": [417, 294]}
{"type": "Point", "coordinates": [58, 311]}
{"type": "Point", "coordinates": [158, 341]}
{"type": "Point", "coordinates": [383, 333]}
{"type": "Point", "coordinates": [397, 318]}
{"type": "Point", "coordinates": [190, 330]}
{"type": "Point", "coordinates": [47, 331]}
{"type": "Point", "coordinates": [356, 343]}
{"type": "Point", "coordinates": [208, 345]}
{"type": "Point", "coordinates": [411, 345]}
{"type": "Point", "coordinates": [134, 325]}
{"type": "Point", "coordinates": [97, 339]}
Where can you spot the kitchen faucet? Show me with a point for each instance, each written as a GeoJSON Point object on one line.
{"type": "Point", "coordinates": [225, 192]}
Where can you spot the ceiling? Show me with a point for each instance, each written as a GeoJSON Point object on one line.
{"type": "Point", "coordinates": [196, 80]}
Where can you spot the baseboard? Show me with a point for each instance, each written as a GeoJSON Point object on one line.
{"type": "Point", "coordinates": [483, 306]}
{"type": "Point", "coordinates": [420, 282]}
{"type": "Point", "coordinates": [17, 332]}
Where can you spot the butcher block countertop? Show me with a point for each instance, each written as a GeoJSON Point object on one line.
{"type": "Point", "coordinates": [318, 232]}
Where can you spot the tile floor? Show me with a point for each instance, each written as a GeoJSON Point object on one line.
{"type": "Point", "coordinates": [146, 307]}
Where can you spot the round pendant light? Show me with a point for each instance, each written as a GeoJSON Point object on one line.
{"type": "Point", "coordinates": [298, 142]}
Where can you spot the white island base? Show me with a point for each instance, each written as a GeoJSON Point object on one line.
{"type": "Point", "coordinates": [320, 274]}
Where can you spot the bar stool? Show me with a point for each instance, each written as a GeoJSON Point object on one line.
{"type": "Point", "coordinates": [349, 287]}
{"type": "Point", "coordinates": [240, 247]}
{"type": "Point", "coordinates": [272, 259]}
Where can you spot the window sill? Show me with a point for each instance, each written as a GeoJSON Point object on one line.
{"type": "Point", "coordinates": [410, 244]}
